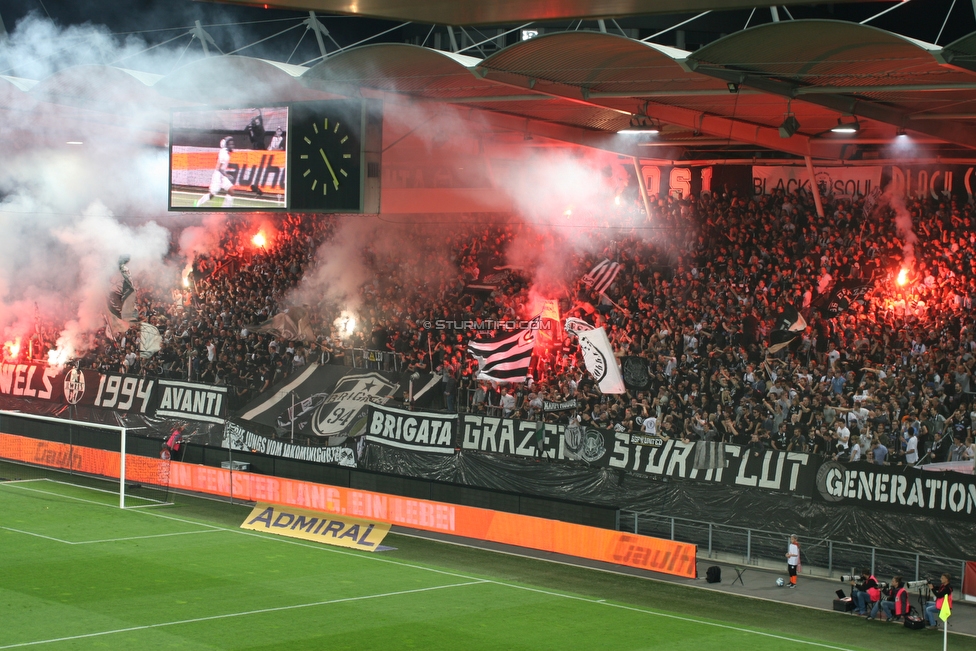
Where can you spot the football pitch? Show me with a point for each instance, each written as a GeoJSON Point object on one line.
{"type": "Point", "coordinates": [77, 572]}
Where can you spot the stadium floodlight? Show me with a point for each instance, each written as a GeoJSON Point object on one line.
{"type": "Point", "coordinates": [851, 126]}
{"type": "Point", "coordinates": [641, 123]}
{"type": "Point", "coordinates": [733, 87]}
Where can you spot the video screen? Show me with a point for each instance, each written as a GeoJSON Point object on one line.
{"type": "Point", "coordinates": [228, 159]}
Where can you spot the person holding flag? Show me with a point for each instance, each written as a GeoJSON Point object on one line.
{"type": "Point", "coordinates": [942, 605]}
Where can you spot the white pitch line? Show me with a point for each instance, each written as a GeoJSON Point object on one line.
{"type": "Point", "coordinates": [246, 613]}
{"type": "Point", "coordinates": [107, 540]}
{"type": "Point", "coordinates": [648, 611]}
{"type": "Point", "coordinates": [37, 535]}
{"type": "Point", "coordinates": [332, 550]}
{"type": "Point", "coordinates": [158, 535]}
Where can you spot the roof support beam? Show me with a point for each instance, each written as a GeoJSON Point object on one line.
{"type": "Point", "coordinates": [842, 103]}
{"type": "Point", "coordinates": [713, 125]}
{"type": "Point", "coordinates": [602, 140]}
{"type": "Point", "coordinates": [893, 88]}
{"type": "Point", "coordinates": [696, 92]}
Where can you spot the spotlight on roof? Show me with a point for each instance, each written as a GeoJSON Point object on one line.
{"type": "Point", "coordinates": [848, 126]}
{"type": "Point", "coordinates": [789, 126]}
{"type": "Point", "coordinates": [733, 87]}
{"type": "Point", "coordinates": [642, 124]}
{"type": "Point", "coordinates": [900, 133]}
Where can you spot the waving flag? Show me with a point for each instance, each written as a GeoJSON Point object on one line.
{"type": "Point", "coordinates": [791, 325]}
{"type": "Point", "coordinates": [602, 276]}
{"type": "Point", "coordinates": [505, 357]}
{"type": "Point", "coordinates": [840, 297]}
{"type": "Point", "coordinates": [600, 362]}
{"type": "Point", "coordinates": [574, 326]}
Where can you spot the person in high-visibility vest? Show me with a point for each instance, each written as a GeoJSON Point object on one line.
{"type": "Point", "coordinates": [897, 604]}
{"type": "Point", "coordinates": [941, 592]}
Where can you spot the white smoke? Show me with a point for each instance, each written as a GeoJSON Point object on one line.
{"type": "Point", "coordinates": [894, 198]}
{"type": "Point", "coordinates": [69, 211]}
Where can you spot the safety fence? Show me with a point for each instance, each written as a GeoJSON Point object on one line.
{"type": "Point", "coordinates": [819, 556]}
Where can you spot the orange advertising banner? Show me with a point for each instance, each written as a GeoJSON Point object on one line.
{"type": "Point", "coordinates": [632, 550]}
{"type": "Point", "coordinates": [193, 166]}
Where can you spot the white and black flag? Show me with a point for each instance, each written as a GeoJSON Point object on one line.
{"type": "Point", "coordinates": [602, 276]}
{"type": "Point", "coordinates": [574, 326]}
{"type": "Point", "coordinates": [506, 356]}
{"type": "Point", "coordinates": [790, 325]}
{"type": "Point", "coordinates": [600, 362]}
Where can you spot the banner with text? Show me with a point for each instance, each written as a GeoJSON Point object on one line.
{"type": "Point", "coordinates": [773, 470]}
{"type": "Point", "coordinates": [126, 393]}
{"type": "Point", "coordinates": [409, 430]}
{"type": "Point", "coordinates": [833, 181]}
{"type": "Point", "coordinates": [240, 438]}
{"type": "Point", "coordinates": [338, 530]}
{"type": "Point", "coordinates": [192, 401]}
{"type": "Point", "coordinates": [907, 490]}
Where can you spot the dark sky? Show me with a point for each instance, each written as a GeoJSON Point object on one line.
{"type": "Point", "coordinates": [921, 19]}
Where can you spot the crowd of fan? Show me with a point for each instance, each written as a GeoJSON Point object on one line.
{"type": "Point", "coordinates": [204, 324]}
{"type": "Point", "coordinates": [889, 380]}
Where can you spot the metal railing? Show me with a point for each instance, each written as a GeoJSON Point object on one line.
{"type": "Point", "coordinates": [819, 556]}
{"type": "Point", "coordinates": [377, 360]}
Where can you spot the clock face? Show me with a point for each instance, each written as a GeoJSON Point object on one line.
{"type": "Point", "coordinates": [326, 157]}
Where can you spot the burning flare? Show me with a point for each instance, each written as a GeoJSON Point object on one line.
{"type": "Point", "coordinates": [259, 240]}
{"type": "Point", "coordinates": [11, 349]}
{"type": "Point", "coordinates": [902, 279]}
{"type": "Point", "coordinates": [345, 324]}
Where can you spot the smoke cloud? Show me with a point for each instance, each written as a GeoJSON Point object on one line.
{"type": "Point", "coordinates": [84, 179]}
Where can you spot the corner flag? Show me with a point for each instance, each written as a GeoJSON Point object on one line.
{"type": "Point", "coordinates": [946, 611]}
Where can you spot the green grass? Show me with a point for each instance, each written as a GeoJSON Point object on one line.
{"type": "Point", "coordinates": [76, 572]}
{"type": "Point", "coordinates": [180, 199]}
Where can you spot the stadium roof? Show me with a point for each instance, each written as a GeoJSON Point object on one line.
{"type": "Point", "coordinates": [583, 87]}
{"type": "Point", "coordinates": [489, 12]}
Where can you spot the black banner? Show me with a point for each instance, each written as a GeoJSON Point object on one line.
{"type": "Point", "coordinates": [908, 490]}
{"type": "Point", "coordinates": [508, 436]}
{"type": "Point", "coordinates": [331, 401]}
{"type": "Point", "coordinates": [240, 438]}
{"type": "Point", "coordinates": [793, 472]}
{"type": "Point", "coordinates": [192, 401]}
{"type": "Point", "coordinates": [566, 405]}
{"type": "Point", "coordinates": [124, 393]}
{"type": "Point", "coordinates": [418, 431]}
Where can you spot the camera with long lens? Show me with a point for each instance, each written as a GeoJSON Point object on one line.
{"type": "Point", "coordinates": [918, 585]}
{"type": "Point", "coordinates": [847, 578]}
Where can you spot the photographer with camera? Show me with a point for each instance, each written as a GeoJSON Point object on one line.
{"type": "Point", "coordinates": [865, 593]}
{"type": "Point", "coordinates": [896, 605]}
{"type": "Point", "coordinates": [940, 592]}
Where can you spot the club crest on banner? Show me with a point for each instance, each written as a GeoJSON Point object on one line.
{"type": "Point", "coordinates": [340, 413]}
{"type": "Point", "coordinates": [583, 444]}
{"type": "Point", "coordinates": [74, 386]}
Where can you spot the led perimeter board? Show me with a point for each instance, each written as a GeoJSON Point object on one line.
{"type": "Point", "coordinates": [310, 156]}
